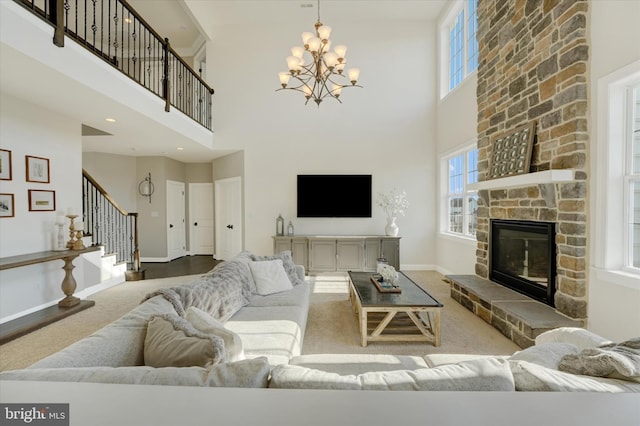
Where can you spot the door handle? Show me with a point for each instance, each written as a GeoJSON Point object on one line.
{"type": "Point", "coordinates": [230, 226]}
{"type": "Point", "coordinates": [171, 225]}
{"type": "Point", "coordinates": [195, 224]}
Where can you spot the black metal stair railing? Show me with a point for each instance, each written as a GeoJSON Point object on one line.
{"type": "Point", "coordinates": [109, 224]}
{"type": "Point", "coordinates": [115, 32]}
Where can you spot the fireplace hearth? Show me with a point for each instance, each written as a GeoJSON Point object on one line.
{"type": "Point", "coordinates": [523, 257]}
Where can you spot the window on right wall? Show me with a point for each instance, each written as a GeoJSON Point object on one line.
{"type": "Point", "coordinates": [459, 46]}
{"type": "Point", "coordinates": [632, 181]}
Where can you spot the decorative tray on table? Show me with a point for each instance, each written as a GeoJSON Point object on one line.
{"type": "Point", "coordinates": [384, 286]}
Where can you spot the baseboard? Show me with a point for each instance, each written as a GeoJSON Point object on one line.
{"type": "Point", "coordinates": [154, 259]}
{"type": "Point", "coordinates": [418, 267]}
{"type": "Point", "coordinates": [112, 282]}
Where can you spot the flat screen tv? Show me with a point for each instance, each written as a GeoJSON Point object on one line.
{"type": "Point", "coordinates": [334, 195]}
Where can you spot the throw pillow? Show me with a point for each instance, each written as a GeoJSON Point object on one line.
{"type": "Point", "coordinates": [209, 325]}
{"type": "Point", "coordinates": [172, 342]}
{"type": "Point", "coordinates": [546, 354]}
{"type": "Point", "coordinates": [287, 262]}
{"type": "Point", "coordinates": [270, 277]}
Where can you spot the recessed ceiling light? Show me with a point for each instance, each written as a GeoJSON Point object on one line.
{"type": "Point", "coordinates": [110, 120]}
{"type": "Point", "coordinates": [180, 148]}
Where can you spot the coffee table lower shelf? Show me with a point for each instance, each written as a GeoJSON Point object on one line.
{"type": "Point", "coordinates": [397, 324]}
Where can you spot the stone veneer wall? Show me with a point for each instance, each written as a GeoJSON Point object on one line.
{"type": "Point", "coordinates": [533, 65]}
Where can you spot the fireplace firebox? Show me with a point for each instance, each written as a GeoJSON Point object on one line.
{"type": "Point", "coordinates": [523, 257]}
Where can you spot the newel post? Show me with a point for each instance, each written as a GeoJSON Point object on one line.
{"type": "Point", "coordinates": [56, 8]}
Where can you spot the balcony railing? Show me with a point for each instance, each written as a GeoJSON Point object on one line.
{"type": "Point", "coordinates": [115, 32]}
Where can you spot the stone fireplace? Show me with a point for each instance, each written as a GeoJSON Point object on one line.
{"type": "Point", "coordinates": [533, 67]}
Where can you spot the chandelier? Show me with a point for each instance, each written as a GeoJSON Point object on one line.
{"type": "Point", "coordinates": [316, 70]}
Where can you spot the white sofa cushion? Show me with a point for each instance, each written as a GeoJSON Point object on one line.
{"type": "Point", "coordinates": [172, 341]}
{"type": "Point", "coordinates": [207, 324]}
{"type": "Point", "coordinates": [346, 364]}
{"type": "Point", "coordinates": [545, 354]}
{"type": "Point", "coordinates": [270, 277]}
{"type": "Point", "coordinates": [533, 377]}
{"type": "Point", "coordinates": [290, 267]}
{"type": "Point", "coordinates": [241, 374]}
{"type": "Point", "coordinates": [581, 338]}
{"type": "Point", "coordinates": [489, 374]}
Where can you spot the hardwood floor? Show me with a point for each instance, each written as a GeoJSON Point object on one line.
{"type": "Point", "coordinates": [187, 265]}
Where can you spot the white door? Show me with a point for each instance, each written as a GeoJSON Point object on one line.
{"type": "Point", "coordinates": [201, 218]}
{"type": "Point", "coordinates": [228, 217]}
{"type": "Point", "coordinates": [176, 242]}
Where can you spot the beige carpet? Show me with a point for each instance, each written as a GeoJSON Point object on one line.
{"type": "Point", "coordinates": [331, 327]}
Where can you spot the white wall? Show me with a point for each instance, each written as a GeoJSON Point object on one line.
{"type": "Point", "coordinates": [117, 175]}
{"type": "Point", "coordinates": [385, 129]}
{"type": "Point", "coordinates": [614, 299]}
{"type": "Point", "coordinates": [28, 129]}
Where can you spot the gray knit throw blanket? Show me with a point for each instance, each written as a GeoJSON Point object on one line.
{"type": "Point", "coordinates": [220, 292]}
{"type": "Point", "coordinates": [606, 360]}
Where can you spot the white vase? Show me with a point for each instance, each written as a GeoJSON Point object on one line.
{"type": "Point", "coordinates": [391, 229]}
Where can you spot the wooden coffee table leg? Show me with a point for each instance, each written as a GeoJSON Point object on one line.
{"type": "Point", "coordinates": [363, 327]}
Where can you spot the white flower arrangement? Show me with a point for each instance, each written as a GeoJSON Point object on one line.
{"type": "Point", "coordinates": [393, 203]}
{"type": "Point", "coordinates": [388, 273]}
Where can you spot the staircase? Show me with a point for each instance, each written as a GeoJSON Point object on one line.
{"type": "Point", "coordinates": [112, 227]}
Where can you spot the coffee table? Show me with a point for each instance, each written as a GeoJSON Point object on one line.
{"type": "Point", "coordinates": [410, 316]}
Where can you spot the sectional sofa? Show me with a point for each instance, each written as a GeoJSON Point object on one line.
{"type": "Point", "coordinates": [243, 323]}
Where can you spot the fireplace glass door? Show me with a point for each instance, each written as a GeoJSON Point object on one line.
{"type": "Point", "coordinates": [523, 257]}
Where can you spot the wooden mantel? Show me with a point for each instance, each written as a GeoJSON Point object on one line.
{"type": "Point", "coordinates": [527, 179]}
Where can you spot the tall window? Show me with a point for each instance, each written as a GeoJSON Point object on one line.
{"type": "Point", "coordinates": [460, 53]}
{"type": "Point", "coordinates": [461, 202]}
{"type": "Point", "coordinates": [632, 181]}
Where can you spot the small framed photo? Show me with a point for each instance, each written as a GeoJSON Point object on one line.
{"type": "Point", "coordinates": [37, 169]}
{"type": "Point", "coordinates": [42, 201]}
{"type": "Point", "coordinates": [7, 205]}
{"type": "Point", "coordinates": [5, 164]}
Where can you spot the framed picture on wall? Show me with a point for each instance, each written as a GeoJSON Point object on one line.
{"type": "Point", "coordinates": [7, 205]}
{"type": "Point", "coordinates": [42, 201]}
{"type": "Point", "coordinates": [5, 164]}
{"type": "Point", "coordinates": [37, 169]}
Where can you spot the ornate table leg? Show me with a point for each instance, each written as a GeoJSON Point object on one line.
{"type": "Point", "coordinates": [68, 284]}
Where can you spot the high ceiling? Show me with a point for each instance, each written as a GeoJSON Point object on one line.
{"type": "Point", "coordinates": [184, 22]}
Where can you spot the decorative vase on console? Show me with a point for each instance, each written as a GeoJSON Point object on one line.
{"type": "Point", "coordinates": [393, 203]}
{"type": "Point", "coordinates": [391, 229]}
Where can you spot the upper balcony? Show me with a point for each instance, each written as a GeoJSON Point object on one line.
{"type": "Point", "coordinates": [99, 58]}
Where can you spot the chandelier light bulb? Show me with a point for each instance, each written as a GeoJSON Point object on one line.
{"type": "Point", "coordinates": [293, 63]}
{"type": "Point", "coordinates": [306, 36]}
{"type": "Point", "coordinates": [284, 78]}
{"type": "Point", "coordinates": [331, 59]}
{"type": "Point", "coordinates": [314, 44]}
{"type": "Point", "coordinates": [324, 32]}
{"type": "Point", "coordinates": [307, 91]}
{"type": "Point", "coordinates": [297, 51]}
{"type": "Point", "coordinates": [337, 90]}
{"type": "Point", "coordinates": [341, 50]}
{"type": "Point", "coordinates": [340, 66]}
{"type": "Point", "coordinates": [354, 74]}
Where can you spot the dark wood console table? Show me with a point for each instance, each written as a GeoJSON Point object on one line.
{"type": "Point", "coordinates": [69, 305]}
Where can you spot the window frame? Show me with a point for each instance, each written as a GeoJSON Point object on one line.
{"type": "Point", "coordinates": [465, 194]}
{"type": "Point", "coordinates": [630, 178]}
{"type": "Point", "coordinates": [445, 26]}
{"type": "Point", "coordinates": [610, 164]}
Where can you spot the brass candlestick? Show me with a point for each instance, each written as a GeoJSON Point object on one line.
{"type": "Point", "coordinates": [72, 232]}
{"type": "Point", "coordinates": [78, 245]}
